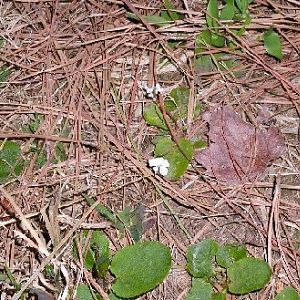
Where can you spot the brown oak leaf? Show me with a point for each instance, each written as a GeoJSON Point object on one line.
{"type": "Point", "coordinates": [238, 152]}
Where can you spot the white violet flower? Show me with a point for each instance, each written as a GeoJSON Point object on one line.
{"type": "Point", "coordinates": [159, 165]}
{"type": "Point", "coordinates": [150, 92]}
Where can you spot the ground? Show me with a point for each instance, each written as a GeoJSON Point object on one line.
{"type": "Point", "coordinates": [74, 100]}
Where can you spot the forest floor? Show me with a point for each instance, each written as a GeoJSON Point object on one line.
{"type": "Point", "coordinates": [73, 91]}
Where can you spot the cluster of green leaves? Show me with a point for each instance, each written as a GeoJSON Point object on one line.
{"type": "Point", "coordinates": [228, 265]}
{"type": "Point", "coordinates": [232, 12]}
{"type": "Point", "coordinates": [141, 267]}
{"type": "Point", "coordinates": [137, 268]}
{"type": "Point", "coordinates": [11, 161]}
{"type": "Point", "coordinates": [178, 153]}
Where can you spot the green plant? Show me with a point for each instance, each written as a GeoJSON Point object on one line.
{"type": "Point", "coordinates": [11, 161]}
{"type": "Point", "coordinates": [227, 265]}
{"type": "Point", "coordinates": [139, 268]}
{"type": "Point", "coordinates": [170, 142]}
{"type": "Point", "coordinates": [233, 12]}
{"type": "Point", "coordinates": [288, 293]}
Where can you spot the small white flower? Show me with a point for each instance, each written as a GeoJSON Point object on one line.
{"type": "Point", "coordinates": [151, 91]}
{"type": "Point", "coordinates": [159, 165]}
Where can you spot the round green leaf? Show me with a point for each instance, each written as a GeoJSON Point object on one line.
{"type": "Point", "coordinates": [200, 258]}
{"type": "Point", "coordinates": [272, 43]}
{"type": "Point", "coordinates": [140, 268]}
{"type": "Point", "coordinates": [288, 293]}
{"type": "Point", "coordinates": [247, 275]}
{"type": "Point", "coordinates": [230, 253]}
{"type": "Point", "coordinates": [201, 290]}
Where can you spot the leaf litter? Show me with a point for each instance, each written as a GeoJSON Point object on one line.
{"type": "Point", "coordinates": [238, 151]}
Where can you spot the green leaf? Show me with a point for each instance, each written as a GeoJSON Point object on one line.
{"type": "Point", "coordinates": [288, 293]}
{"type": "Point", "coordinates": [228, 11]}
{"type": "Point", "coordinates": [153, 116]}
{"type": "Point", "coordinates": [100, 248]}
{"type": "Point", "coordinates": [178, 156]}
{"type": "Point", "coordinates": [204, 64]}
{"type": "Point", "coordinates": [272, 43]}
{"type": "Point", "coordinates": [133, 220]}
{"type": "Point", "coordinates": [248, 275]}
{"type": "Point", "coordinates": [153, 20]}
{"type": "Point", "coordinates": [219, 296]}
{"type": "Point", "coordinates": [139, 268]}
{"type": "Point", "coordinates": [105, 212]}
{"type": "Point", "coordinates": [201, 290]}
{"type": "Point", "coordinates": [212, 13]}
{"type": "Point", "coordinates": [4, 73]}
{"type": "Point", "coordinates": [169, 14]}
{"type": "Point", "coordinates": [5, 171]}
{"type": "Point", "coordinates": [10, 152]}
{"type": "Point", "coordinates": [177, 106]}
{"type": "Point", "coordinates": [113, 296]}
{"type": "Point", "coordinates": [243, 5]}
{"type": "Point", "coordinates": [217, 40]}
{"type": "Point", "coordinates": [229, 254]}
{"type": "Point", "coordinates": [200, 258]}
{"type": "Point", "coordinates": [84, 293]}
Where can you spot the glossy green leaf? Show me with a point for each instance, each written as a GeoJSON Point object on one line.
{"type": "Point", "coordinates": [84, 293]}
{"type": "Point", "coordinates": [288, 293]}
{"type": "Point", "coordinates": [178, 156]}
{"type": "Point", "coordinates": [272, 43]}
{"type": "Point", "coordinates": [212, 13]}
{"type": "Point", "coordinates": [248, 275]}
{"type": "Point", "coordinates": [139, 268]}
{"type": "Point", "coordinates": [200, 290]}
{"type": "Point", "coordinates": [229, 254]}
{"type": "Point", "coordinates": [153, 116]}
{"type": "Point", "coordinates": [200, 258]}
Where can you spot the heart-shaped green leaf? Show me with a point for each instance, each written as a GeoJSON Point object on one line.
{"type": "Point", "coordinates": [140, 268]}
{"type": "Point", "coordinates": [248, 275]}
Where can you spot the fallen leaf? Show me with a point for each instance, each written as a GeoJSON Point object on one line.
{"type": "Point", "coordinates": [238, 152]}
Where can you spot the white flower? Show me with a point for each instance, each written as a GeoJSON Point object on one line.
{"type": "Point", "coordinates": [151, 91]}
{"type": "Point", "coordinates": [159, 165]}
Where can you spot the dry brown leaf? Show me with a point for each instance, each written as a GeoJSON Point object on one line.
{"type": "Point", "coordinates": [237, 152]}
